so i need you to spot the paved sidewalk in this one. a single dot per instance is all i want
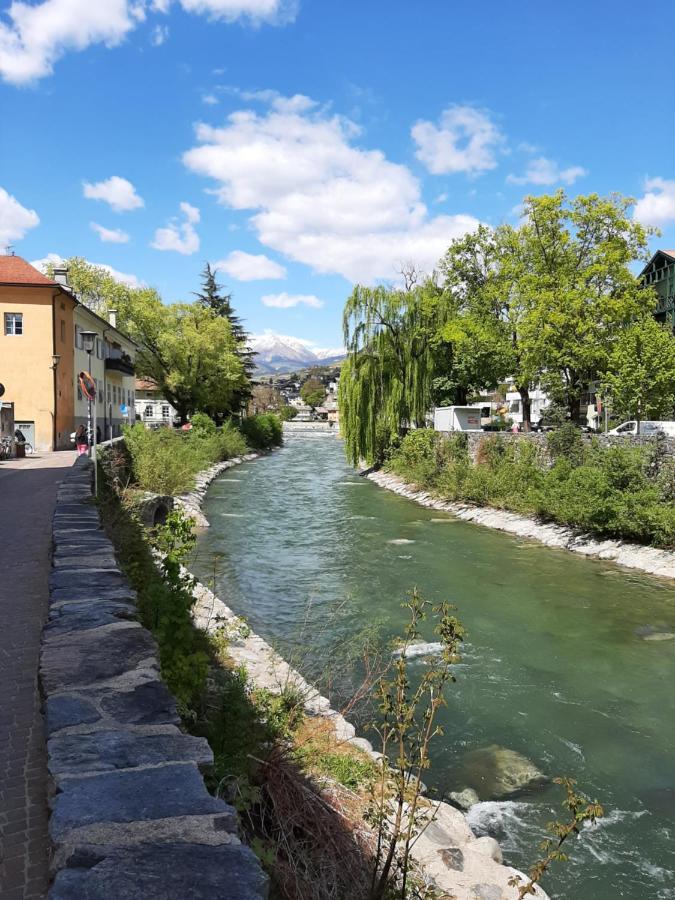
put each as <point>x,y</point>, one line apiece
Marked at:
<point>27,495</point>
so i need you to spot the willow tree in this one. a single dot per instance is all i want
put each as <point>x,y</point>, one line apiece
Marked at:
<point>385,383</point>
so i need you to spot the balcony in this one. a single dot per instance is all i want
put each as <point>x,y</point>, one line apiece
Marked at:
<point>117,361</point>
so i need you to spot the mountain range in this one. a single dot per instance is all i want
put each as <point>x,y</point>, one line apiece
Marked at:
<point>277,353</point>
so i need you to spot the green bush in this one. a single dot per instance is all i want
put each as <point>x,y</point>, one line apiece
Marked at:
<point>165,461</point>
<point>617,492</point>
<point>263,432</point>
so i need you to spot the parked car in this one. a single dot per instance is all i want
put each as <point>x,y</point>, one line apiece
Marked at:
<point>647,428</point>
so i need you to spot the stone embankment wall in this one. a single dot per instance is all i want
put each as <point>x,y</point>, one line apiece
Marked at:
<point>633,556</point>
<point>476,438</point>
<point>461,865</point>
<point>130,814</point>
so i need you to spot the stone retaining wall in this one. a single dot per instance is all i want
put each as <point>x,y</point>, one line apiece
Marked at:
<point>476,438</point>
<point>130,814</point>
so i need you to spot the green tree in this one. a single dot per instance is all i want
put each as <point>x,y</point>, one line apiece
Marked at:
<point>313,392</point>
<point>640,373</point>
<point>575,278</point>
<point>212,297</point>
<point>188,350</point>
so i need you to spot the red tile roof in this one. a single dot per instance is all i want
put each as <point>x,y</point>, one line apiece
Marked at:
<point>15,270</point>
<point>669,253</point>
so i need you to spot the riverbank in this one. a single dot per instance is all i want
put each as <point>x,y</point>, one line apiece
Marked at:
<point>446,850</point>
<point>632,556</point>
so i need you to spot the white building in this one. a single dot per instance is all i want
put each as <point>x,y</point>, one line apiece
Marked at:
<point>111,365</point>
<point>152,409</point>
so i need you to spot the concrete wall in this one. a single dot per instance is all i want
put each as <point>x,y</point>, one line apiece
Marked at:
<point>130,814</point>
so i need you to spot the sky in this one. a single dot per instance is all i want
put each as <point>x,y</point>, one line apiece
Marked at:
<point>303,146</point>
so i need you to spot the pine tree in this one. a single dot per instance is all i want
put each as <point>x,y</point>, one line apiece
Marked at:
<point>212,297</point>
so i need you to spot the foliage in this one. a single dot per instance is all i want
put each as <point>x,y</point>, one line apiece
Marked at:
<point>212,298</point>
<point>164,597</point>
<point>188,350</point>
<point>640,374</point>
<point>165,461</point>
<point>580,810</point>
<point>406,727</point>
<point>263,431</point>
<point>202,424</point>
<point>287,413</point>
<point>313,392</point>
<point>385,383</point>
<point>265,398</point>
<point>617,492</point>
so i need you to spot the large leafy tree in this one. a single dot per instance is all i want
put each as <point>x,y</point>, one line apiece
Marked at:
<point>188,350</point>
<point>640,373</point>
<point>313,392</point>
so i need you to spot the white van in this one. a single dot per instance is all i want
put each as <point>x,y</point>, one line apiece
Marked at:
<point>646,428</point>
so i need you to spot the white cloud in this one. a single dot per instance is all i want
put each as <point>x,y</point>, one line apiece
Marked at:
<point>56,259</point>
<point>545,171</point>
<point>15,219</point>
<point>39,34</point>
<point>159,36</point>
<point>117,192</point>
<point>287,301</point>
<point>318,198</point>
<point>256,11</point>
<point>110,235</point>
<point>657,207</point>
<point>36,35</point>
<point>466,140</point>
<point>210,99</point>
<point>180,237</point>
<point>250,266</point>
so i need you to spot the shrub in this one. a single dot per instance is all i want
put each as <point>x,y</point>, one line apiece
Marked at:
<point>262,432</point>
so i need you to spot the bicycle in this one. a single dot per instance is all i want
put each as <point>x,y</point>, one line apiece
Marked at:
<point>6,445</point>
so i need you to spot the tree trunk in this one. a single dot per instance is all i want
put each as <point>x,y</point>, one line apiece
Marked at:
<point>527,408</point>
<point>574,407</point>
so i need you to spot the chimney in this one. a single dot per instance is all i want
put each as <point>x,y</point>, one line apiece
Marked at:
<point>61,275</point>
<point>112,317</point>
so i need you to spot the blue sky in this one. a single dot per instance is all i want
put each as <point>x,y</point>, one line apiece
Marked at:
<point>307,146</point>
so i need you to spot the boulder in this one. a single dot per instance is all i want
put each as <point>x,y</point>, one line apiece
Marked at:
<point>496,772</point>
<point>465,798</point>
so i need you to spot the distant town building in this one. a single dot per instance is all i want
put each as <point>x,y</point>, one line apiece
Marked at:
<point>152,408</point>
<point>659,273</point>
<point>41,354</point>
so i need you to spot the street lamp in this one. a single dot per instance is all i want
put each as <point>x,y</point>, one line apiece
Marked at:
<point>88,344</point>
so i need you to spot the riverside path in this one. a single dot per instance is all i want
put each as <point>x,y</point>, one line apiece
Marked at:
<point>27,496</point>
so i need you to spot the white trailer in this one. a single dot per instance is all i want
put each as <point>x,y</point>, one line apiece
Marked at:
<point>457,418</point>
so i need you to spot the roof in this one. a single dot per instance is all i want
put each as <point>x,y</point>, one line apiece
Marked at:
<point>15,270</point>
<point>668,253</point>
<point>144,384</point>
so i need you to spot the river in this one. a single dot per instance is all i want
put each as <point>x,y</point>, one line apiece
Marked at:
<point>554,664</point>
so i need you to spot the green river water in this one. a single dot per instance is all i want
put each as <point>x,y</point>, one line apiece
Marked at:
<point>553,667</point>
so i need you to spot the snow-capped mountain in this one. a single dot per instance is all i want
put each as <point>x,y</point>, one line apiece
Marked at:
<point>281,353</point>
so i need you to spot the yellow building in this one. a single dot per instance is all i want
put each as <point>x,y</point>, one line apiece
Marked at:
<point>42,353</point>
<point>36,353</point>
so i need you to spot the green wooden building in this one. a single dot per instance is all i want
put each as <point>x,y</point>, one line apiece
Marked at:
<point>659,273</point>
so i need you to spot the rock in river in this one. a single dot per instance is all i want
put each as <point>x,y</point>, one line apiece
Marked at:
<point>496,772</point>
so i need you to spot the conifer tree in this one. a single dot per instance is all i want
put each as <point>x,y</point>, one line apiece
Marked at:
<point>212,297</point>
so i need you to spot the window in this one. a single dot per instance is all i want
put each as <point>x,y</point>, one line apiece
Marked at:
<point>165,411</point>
<point>148,411</point>
<point>63,331</point>
<point>14,323</point>
<point>79,343</point>
<point>99,348</point>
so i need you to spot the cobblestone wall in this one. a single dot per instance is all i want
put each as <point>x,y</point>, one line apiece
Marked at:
<point>130,814</point>
<point>476,438</point>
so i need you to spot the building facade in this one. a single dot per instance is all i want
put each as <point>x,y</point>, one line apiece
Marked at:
<point>152,409</point>
<point>659,273</point>
<point>42,353</point>
<point>36,353</point>
<point>111,365</point>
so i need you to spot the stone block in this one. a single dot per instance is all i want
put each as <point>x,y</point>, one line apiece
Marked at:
<point>105,751</point>
<point>82,616</point>
<point>174,789</point>
<point>96,655</point>
<point>148,703</point>
<point>66,710</point>
<point>167,872</point>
